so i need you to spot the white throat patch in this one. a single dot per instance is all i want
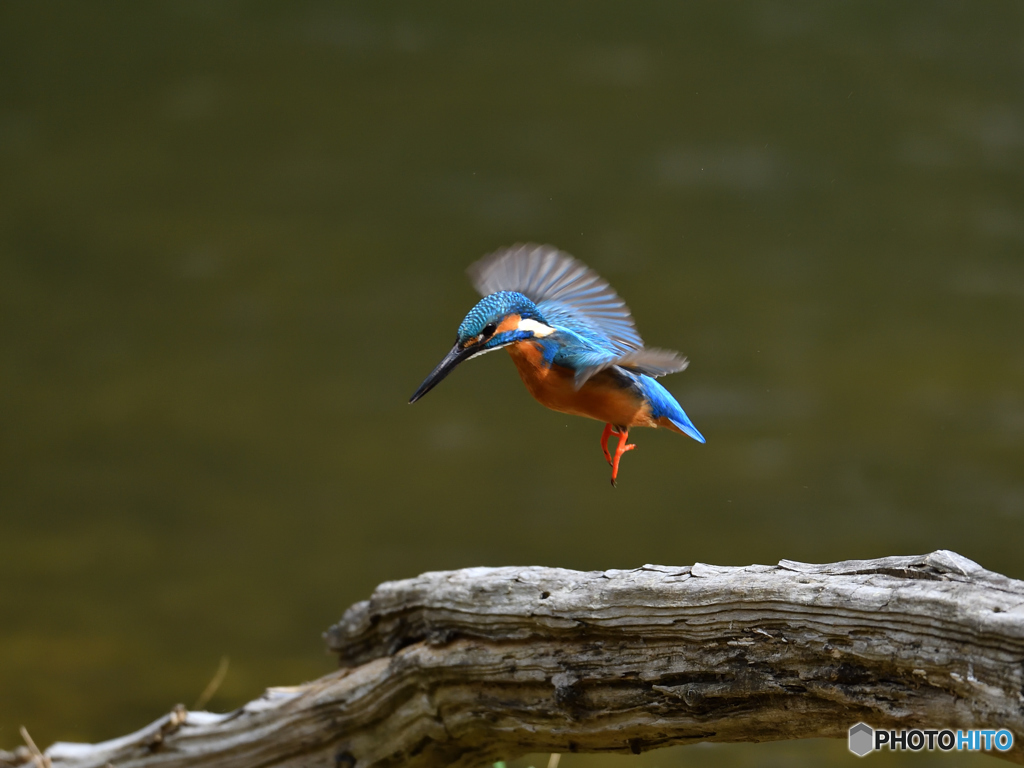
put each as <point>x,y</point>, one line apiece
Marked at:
<point>483,352</point>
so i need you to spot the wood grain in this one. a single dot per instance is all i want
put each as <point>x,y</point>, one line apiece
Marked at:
<point>466,667</point>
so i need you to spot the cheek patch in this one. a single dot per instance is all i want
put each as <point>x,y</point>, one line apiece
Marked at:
<point>510,323</point>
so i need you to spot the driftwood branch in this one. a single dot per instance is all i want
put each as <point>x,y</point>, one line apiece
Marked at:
<point>466,667</point>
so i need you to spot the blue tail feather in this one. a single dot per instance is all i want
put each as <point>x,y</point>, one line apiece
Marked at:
<point>663,404</point>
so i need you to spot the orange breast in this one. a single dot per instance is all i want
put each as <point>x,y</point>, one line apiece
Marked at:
<point>600,398</point>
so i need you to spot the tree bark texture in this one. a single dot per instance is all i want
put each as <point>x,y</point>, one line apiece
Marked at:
<point>466,667</point>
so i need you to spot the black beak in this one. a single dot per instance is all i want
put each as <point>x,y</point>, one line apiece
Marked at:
<point>446,366</point>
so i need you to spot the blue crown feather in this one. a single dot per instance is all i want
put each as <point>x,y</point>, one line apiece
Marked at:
<point>495,307</point>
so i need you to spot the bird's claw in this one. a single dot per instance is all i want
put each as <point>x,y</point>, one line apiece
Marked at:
<point>622,447</point>
<point>608,432</point>
<point>618,455</point>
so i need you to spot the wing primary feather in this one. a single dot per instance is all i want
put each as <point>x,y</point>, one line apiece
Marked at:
<point>651,362</point>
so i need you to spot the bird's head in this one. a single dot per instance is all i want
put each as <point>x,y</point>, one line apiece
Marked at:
<point>498,320</point>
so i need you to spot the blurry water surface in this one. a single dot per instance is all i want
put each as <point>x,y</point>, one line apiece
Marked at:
<point>232,243</point>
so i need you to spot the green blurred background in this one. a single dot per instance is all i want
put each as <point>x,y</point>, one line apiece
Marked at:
<point>232,243</point>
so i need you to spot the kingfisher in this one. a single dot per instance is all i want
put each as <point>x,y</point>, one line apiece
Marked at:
<point>573,341</point>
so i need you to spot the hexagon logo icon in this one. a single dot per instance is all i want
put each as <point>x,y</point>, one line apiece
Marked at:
<point>862,737</point>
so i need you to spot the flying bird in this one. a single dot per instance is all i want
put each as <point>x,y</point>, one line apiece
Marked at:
<point>573,341</point>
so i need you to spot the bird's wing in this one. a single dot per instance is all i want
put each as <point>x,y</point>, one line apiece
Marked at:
<point>651,362</point>
<point>586,358</point>
<point>564,289</point>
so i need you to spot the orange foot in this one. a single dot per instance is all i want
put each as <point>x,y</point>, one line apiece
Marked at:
<point>609,430</point>
<point>621,449</point>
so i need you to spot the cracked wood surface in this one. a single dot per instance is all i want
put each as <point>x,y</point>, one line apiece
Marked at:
<point>462,668</point>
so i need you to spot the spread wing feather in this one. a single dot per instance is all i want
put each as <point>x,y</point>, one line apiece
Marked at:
<point>562,288</point>
<point>651,362</point>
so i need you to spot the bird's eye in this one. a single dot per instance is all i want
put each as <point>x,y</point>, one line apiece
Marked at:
<point>489,329</point>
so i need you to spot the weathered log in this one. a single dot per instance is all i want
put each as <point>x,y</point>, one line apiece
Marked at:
<point>466,667</point>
